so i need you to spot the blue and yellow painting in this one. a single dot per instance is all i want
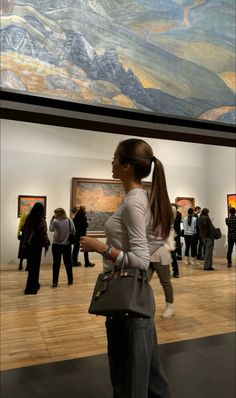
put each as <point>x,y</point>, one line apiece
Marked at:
<point>174,57</point>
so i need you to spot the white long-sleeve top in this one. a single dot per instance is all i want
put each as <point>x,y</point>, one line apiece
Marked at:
<point>190,229</point>
<point>62,228</point>
<point>129,230</point>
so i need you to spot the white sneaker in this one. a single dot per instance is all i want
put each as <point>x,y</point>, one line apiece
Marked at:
<point>169,311</point>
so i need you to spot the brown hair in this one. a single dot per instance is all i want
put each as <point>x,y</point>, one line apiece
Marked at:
<point>60,213</point>
<point>204,212</point>
<point>140,155</point>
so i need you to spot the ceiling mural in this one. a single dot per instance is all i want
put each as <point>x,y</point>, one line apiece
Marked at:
<point>174,57</point>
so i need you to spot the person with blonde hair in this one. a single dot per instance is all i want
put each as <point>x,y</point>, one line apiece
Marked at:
<point>137,229</point>
<point>61,226</point>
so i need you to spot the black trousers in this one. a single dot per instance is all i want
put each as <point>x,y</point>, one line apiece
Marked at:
<point>135,367</point>
<point>33,266</point>
<point>75,252</point>
<point>190,242</point>
<point>200,249</point>
<point>59,251</point>
<point>175,266</point>
<point>231,243</point>
<point>178,245</point>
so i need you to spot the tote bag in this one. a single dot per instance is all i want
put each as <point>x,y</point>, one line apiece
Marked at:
<point>123,291</point>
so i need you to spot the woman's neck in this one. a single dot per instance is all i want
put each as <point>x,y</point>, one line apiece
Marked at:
<point>129,185</point>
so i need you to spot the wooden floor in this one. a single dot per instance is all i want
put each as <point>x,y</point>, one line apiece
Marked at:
<point>54,324</point>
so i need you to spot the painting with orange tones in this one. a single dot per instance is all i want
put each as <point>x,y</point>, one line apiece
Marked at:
<point>184,203</point>
<point>27,201</point>
<point>101,198</point>
<point>231,201</point>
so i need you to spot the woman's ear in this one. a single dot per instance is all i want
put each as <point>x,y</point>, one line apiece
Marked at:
<point>126,166</point>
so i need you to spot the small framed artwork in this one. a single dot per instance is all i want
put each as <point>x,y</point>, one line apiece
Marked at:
<point>184,203</point>
<point>101,199</point>
<point>231,201</point>
<point>27,201</point>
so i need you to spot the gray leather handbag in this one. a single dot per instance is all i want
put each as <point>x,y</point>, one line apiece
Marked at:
<point>123,291</point>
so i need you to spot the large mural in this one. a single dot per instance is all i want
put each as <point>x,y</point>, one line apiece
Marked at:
<point>172,57</point>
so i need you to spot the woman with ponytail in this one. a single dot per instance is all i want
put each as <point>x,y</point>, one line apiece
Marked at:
<point>190,237</point>
<point>137,229</point>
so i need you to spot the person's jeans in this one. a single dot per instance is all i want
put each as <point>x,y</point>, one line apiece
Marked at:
<point>135,366</point>
<point>209,245</point>
<point>231,243</point>
<point>200,249</point>
<point>163,272</point>
<point>59,251</point>
<point>190,241</point>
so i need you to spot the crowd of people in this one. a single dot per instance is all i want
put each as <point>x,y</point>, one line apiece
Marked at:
<point>144,233</point>
<point>32,233</point>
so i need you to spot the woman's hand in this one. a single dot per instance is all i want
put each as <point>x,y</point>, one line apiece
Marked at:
<point>88,244</point>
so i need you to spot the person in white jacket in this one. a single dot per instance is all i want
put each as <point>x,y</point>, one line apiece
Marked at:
<point>160,262</point>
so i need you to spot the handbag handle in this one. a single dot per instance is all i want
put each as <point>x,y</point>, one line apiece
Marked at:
<point>123,272</point>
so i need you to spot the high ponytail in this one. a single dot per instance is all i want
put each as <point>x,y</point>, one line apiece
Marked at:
<point>140,155</point>
<point>160,202</point>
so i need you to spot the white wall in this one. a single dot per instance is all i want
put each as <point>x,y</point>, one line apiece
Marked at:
<point>41,160</point>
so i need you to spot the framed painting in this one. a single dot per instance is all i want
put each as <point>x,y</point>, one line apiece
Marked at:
<point>149,58</point>
<point>101,198</point>
<point>231,201</point>
<point>184,203</point>
<point>26,201</point>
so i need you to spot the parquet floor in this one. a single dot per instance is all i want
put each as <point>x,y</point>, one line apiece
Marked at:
<point>54,325</point>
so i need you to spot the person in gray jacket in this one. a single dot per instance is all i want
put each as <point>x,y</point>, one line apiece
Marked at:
<point>206,232</point>
<point>61,226</point>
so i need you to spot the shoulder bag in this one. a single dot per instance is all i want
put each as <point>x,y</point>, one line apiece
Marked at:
<point>72,236</point>
<point>123,291</point>
<point>217,233</point>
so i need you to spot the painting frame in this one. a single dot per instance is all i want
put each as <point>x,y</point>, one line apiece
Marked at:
<point>184,203</point>
<point>27,201</point>
<point>231,201</point>
<point>101,198</point>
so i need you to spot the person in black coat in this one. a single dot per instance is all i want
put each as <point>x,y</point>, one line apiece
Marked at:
<point>177,228</point>
<point>206,233</point>
<point>34,238</point>
<point>81,225</point>
<point>200,244</point>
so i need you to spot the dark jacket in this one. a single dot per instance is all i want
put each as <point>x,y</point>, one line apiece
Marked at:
<point>206,228</point>
<point>35,233</point>
<point>177,222</point>
<point>231,223</point>
<point>81,223</point>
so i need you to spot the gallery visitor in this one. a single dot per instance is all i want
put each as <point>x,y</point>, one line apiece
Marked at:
<point>22,255</point>
<point>206,232</point>
<point>138,226</point>
<point>231,234</point>
<point>62,227</point>
<point>34,238</point>
<point>190,237</point>
<point>81,225</point>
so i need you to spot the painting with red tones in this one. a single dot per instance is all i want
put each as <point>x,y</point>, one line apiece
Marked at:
<point>27,201</point>
<point>184,203</point>
<point>231,201</point>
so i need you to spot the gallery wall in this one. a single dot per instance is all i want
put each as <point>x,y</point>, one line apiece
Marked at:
<point>41,160</point>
